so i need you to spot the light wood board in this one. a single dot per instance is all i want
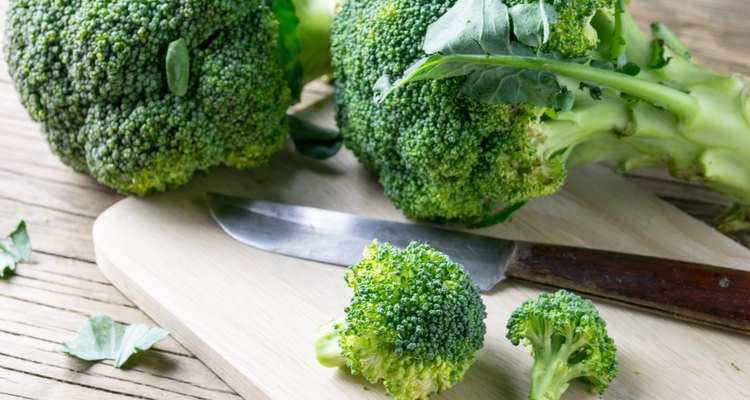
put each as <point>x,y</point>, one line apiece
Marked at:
<point>252,316</point>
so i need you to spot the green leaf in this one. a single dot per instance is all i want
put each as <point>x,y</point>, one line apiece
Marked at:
<point>629,68</point>
<point>513,86</point>
<point>21,241</point>
<point>565,99</point>
<point>100,337</point>
<point>7,264</point>
<point>658,54</point>
<point>178,67</point>
<point>483,27</point>
<point>660,31</point>
<point>470,27</point>
<point>594,90</point>
<point>503,215</point>
<point>531,22</point>
<point>18,251</point>
<point>312,140</point>
<point>290,45</point>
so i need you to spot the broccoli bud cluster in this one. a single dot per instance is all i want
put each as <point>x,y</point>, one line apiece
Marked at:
<point>93,73</point>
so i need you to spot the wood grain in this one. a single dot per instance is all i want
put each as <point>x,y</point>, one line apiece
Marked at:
<point>64,203</point>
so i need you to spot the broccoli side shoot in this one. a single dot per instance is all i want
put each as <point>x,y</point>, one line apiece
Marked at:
<point>568,340</point>
<point>416,322</point>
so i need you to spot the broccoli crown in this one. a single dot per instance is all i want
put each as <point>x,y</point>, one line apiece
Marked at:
<point>93,73</point>
<point>568,340</point>
<point>440,155</point>
<point>415,321</point>
<point>572,33</point>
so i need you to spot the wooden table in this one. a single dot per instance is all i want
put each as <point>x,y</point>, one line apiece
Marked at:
<point>45,302</point>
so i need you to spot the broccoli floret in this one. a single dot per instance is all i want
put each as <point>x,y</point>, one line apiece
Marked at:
<point>568,340</point>
<point>93,73</point>
<point>489,119</point>
<point>416,321</point>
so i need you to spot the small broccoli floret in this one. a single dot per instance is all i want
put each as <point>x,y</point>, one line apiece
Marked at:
<point>94,73</point>
<point>568,340</point>
<point>416,322</point>
<point>571,33</point>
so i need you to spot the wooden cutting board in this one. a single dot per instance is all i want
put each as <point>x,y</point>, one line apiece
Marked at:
<point>252,316</point>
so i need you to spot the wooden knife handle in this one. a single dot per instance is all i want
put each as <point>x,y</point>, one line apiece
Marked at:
<point>701,293</point>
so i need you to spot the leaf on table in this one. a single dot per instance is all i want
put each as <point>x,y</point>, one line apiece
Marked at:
<point>15,252</point>
<point>100,338</point>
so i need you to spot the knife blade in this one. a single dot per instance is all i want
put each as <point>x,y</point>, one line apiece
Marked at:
<point>706,294</point>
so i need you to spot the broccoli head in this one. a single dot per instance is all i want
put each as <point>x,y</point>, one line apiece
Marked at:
<point>568,340</point>
<point>416,321</point>
<point>94,73</point>
<point>468,109</point>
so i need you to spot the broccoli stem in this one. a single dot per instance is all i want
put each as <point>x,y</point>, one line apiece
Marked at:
<point>327,348</point>
<point>315,19</point>
<point>679,103</point>
<point>549,378</point>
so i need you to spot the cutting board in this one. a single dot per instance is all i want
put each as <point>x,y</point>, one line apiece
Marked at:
<point>252,316</point>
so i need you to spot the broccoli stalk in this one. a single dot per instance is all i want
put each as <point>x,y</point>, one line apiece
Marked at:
<point>700,132</point>
<point>486,110</point>
<point>327,347</point>
<point>568,339</point>
<point>416,322</point>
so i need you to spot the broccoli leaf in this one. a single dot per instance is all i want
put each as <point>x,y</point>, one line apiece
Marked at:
<point>513,85</point>
<point>290,46</point>
<point>470,27</point>
<point>100,337</point>
<point>531,22</point>
<point>21,241</point>
<point>7,263</point>
<point>483,27</point>
<point>312,140</point>
<point>178,67</point>
<point>18,251</point>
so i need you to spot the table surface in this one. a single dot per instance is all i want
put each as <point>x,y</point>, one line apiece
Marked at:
<point>44,302</point>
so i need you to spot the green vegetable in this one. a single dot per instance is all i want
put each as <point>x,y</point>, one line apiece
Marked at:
<point>178,67</point>
<point>481,104</point>
<point>568,340</point>
<point>15,252</point>
<point>100,337</point>
<point>140,95</point>
<point>416,321</point>
<point>312,140</point>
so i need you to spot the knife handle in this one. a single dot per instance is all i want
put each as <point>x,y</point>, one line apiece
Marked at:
<point>700,293</point>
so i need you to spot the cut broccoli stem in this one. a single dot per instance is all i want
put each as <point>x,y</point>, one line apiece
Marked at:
<point>327,347</point>
<point>547,383</point>
<point>679,103</point>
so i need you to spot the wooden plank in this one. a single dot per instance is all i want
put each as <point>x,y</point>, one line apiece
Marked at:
<point>30,385</point>
<point>150,366</point>
<point>51,323</point>
<point>52,231</point>
<point>75,200</point>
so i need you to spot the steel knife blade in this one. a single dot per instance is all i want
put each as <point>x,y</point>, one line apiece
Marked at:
<point>707,294</point>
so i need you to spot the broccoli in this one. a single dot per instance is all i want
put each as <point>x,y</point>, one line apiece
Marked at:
<point>468,109</point>
<point>141,94</point>
<point>416,321</point>
<point>568,340</point>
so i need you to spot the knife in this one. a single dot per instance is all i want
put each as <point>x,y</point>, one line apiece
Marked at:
<point>705,294</point>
